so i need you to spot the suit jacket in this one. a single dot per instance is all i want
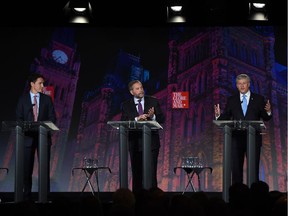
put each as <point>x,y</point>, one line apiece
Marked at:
<point>129,112</point>
<point>46,112</point>
<point>255,111</point>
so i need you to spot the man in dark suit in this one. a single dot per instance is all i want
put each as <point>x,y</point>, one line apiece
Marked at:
<point>257,109</point>
<point>42,104</point>
<point>132,112</point>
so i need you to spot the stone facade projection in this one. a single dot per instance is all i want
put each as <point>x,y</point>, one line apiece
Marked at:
<point>205,63</point>
<point>63,77</point>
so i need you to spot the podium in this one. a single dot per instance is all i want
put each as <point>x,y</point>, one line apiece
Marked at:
<point>42,128</point>
<point>128,126</point>
<point>250,127</point>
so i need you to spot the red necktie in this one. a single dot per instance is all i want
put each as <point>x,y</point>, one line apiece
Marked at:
<point>140,108</point>
<point>35,108</point>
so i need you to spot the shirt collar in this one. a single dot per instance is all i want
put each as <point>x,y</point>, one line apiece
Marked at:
<point>136,100</point>
<point>32,94</point>
<point>247,95</point>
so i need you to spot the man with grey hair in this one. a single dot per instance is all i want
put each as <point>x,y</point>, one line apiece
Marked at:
<point>246,106</point>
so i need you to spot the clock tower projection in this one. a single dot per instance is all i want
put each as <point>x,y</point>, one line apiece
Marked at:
<point>60,65</point>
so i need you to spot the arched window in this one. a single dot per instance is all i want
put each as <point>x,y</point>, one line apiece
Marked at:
<point>62,94</point>
<point>194,125</point>
<point>202,120</point>
<point>252,86</point>
<point>202,82</point>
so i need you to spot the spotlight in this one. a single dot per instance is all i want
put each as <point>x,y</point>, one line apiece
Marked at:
<point>79,6</point>
<point>175,12</point>
<point>78,11</point>
<point>257,10</point>
<point>176,8</point>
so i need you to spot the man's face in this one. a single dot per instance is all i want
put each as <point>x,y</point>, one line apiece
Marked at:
<point>37,86</point>
<point>243,85</point>
<point>137,90</point>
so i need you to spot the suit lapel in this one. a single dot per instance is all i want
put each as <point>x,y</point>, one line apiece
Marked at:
<point>133,106</point>
<point>29,105</point>
<point>250,104</point>
<point>40,107</point>
<point>239,106</point>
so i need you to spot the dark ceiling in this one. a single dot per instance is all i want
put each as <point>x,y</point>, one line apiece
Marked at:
<point>204,12</point>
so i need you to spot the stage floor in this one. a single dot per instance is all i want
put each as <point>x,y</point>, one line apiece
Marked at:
<point>105,197</point>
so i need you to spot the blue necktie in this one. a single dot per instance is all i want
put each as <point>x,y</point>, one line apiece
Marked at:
<point>244,104</point>
<point>140,108</point>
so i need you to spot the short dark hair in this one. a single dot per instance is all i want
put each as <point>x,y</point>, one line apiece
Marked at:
<point>131,83</point>
<point>34,76</point>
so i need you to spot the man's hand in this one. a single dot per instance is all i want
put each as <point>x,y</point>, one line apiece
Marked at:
<point>217,110</point>
<point>145,117</point>
<point>151,112</point>
<point>268,107</point>
<point>142,117</point>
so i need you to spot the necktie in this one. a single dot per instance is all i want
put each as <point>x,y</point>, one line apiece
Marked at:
<point>244,104</point>
<point>35,108</point>
<point>140,108</point>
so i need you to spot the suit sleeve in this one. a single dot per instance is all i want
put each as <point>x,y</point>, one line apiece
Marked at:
<point>20,110</point>
<point>227,114</point>
<point>126,112</point>
<point>160,117</point>
<point>51,111</point>
<point>263,114</point>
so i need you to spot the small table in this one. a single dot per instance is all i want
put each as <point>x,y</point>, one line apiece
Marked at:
<point>190,171</point>
<point>88,174</point>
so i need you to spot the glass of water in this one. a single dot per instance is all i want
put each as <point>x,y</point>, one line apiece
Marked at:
<point>88,162</point>
<point>192,162</point>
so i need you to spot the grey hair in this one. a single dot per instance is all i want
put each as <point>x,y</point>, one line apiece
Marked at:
<point>242,76</point>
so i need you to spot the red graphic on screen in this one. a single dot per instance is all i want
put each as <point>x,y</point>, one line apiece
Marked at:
<point>49,90</point>
<point>180,100</point>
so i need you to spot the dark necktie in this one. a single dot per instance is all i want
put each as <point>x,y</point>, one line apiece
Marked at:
<point>140,108</point>
<point>35,108</point>
<point>244,104</point>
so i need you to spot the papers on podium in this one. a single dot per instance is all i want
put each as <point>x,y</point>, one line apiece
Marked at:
<point>52,126</point>
<point>135,124</point>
